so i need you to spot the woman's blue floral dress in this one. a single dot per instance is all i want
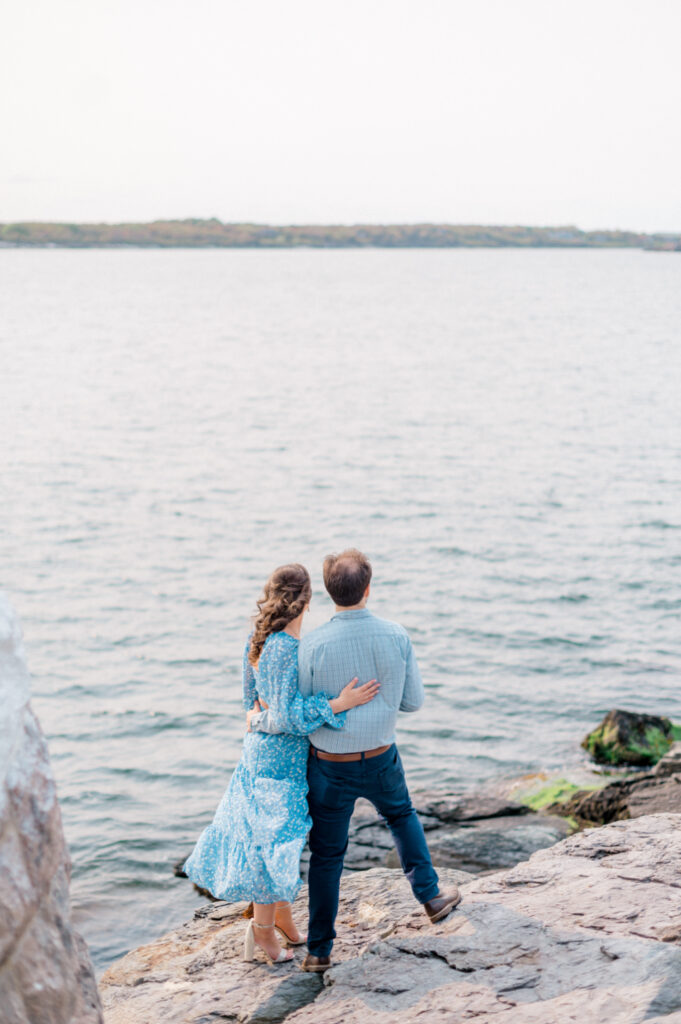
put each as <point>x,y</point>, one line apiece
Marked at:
<point>252,849</point>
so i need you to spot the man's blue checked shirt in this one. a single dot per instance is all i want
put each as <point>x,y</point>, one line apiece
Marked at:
<point>356,643</point>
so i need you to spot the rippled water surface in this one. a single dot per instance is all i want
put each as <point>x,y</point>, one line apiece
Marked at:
<point>499,430</point>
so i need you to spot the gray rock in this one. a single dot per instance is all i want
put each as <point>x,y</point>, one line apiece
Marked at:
<point>481,846</point>
<point>46,976</point>
<point>588,930</point>
<point>670,764</point>
<point>652,793</point>
<point>654,796</point>
<point>454,807</point>
<point>475,833</point>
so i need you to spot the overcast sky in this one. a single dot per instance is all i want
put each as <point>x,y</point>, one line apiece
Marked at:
<point>322,111</point>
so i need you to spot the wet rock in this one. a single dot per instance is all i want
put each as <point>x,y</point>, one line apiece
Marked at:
<point>46,976</point>
<point>587,930</point>
<point>470,833</point>
<point>481,846</point>
<point>624,737</point>
<point>453,807</point>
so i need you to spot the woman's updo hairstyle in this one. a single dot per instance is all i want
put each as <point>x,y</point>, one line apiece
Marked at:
<point>286,593</point>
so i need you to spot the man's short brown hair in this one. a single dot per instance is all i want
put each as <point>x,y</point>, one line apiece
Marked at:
<point>346,577</point>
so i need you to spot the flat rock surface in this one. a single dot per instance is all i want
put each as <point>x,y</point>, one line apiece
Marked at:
<point>588,930</point>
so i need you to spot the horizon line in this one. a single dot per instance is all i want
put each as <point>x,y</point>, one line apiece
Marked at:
<point>341,224</point>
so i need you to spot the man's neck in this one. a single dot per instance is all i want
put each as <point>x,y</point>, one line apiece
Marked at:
<point>351,607</point>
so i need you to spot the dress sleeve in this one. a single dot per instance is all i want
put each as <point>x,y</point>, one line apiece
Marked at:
<point>304,668</point>
<point>248,679</point>
<point>265,721</point>
<point>292,712</point>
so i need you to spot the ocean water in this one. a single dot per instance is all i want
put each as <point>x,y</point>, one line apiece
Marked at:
<point>499,430</point>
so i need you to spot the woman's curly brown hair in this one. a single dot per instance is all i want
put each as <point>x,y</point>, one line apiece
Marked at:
<point>286,593</point>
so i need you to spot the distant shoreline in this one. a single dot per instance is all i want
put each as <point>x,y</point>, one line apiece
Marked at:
<point>213,234</point>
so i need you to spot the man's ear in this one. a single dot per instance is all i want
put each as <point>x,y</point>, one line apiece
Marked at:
<point>367,592</point>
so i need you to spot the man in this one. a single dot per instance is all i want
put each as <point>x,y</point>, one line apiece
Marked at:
<point>360,760</point>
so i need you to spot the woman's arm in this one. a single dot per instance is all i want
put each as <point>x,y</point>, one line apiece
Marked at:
<point>290,712</point>
<point>288,709</point>
<point>250,694</point>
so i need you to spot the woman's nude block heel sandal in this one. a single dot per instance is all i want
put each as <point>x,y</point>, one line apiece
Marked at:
<point>249,946</point>
<point>287,938</point>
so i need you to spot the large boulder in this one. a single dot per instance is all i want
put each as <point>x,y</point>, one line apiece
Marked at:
<point>588,930</point>
<point>46,975</point>
<point>625,737</point>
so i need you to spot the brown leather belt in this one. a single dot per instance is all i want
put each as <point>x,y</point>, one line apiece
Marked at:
<point>361,755</point>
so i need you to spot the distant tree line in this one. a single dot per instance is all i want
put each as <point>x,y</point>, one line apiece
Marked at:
<point>213,233</point>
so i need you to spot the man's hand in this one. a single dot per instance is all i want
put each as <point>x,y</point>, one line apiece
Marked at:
<point>255,710</point>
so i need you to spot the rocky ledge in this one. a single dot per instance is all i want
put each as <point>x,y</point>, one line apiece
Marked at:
<point>655,792</point>
<point>588,930</point>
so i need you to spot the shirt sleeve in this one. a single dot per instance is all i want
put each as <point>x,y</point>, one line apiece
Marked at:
<point>248,679</point>
<point>412,696</point>
<point>288,709</point>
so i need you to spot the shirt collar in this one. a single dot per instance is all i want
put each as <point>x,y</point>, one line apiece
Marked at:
<point>352,613</point>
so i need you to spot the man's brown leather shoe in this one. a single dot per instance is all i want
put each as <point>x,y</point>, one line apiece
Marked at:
<point>316,964</point>
<point>441,906</point>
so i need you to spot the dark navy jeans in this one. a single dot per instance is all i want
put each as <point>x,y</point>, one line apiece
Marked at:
<point>334,787</point>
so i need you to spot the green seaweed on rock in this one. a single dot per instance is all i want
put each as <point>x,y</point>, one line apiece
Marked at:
<point>625,737</point>
<point>556,792</point>
<point>656,745</point>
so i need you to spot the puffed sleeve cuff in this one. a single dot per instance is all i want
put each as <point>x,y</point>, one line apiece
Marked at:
<point>323,708</point>
<point>264,722</point>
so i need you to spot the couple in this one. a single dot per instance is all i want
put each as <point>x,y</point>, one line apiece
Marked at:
<point>294,690</point>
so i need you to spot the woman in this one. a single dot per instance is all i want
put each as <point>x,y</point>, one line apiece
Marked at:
<point>252,849</point>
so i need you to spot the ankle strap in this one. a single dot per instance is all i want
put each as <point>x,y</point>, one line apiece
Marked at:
<point>262,925</point>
